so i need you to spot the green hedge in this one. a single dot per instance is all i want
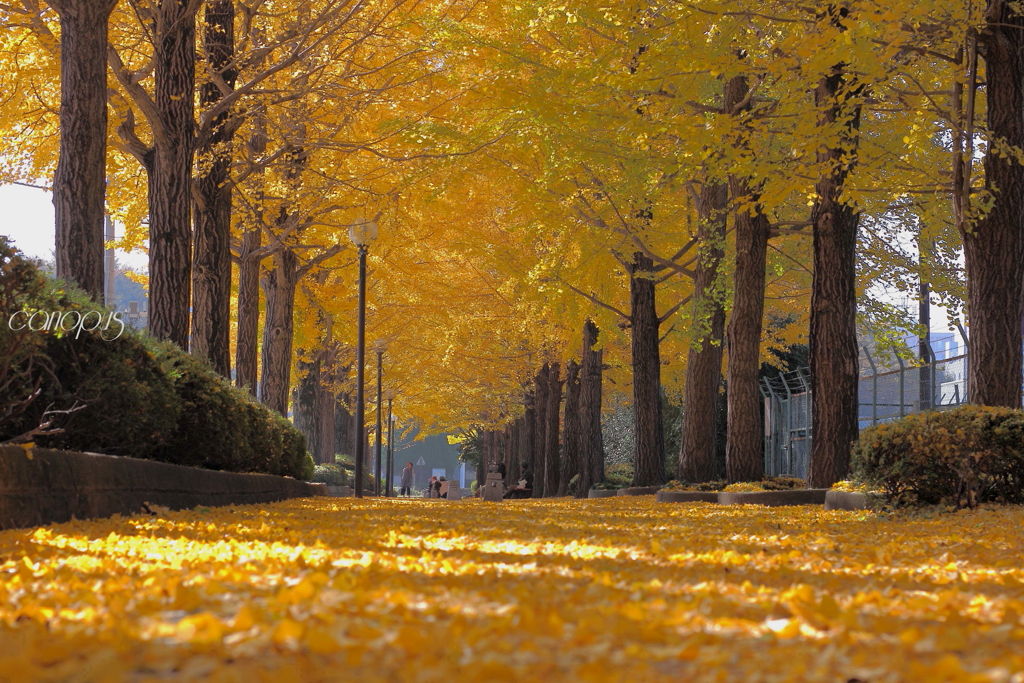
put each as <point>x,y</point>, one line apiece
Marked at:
<point>149,399</point>
<point>961,457</point>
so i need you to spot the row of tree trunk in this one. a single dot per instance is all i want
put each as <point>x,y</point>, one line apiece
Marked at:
<point>557,444</point>
<point>189,219</point>
<point>322,413</point>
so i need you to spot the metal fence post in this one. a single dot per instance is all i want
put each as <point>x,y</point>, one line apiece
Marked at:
<point>874,387</point>
<point>805,381</point>
<point>902,401</point>
<point>769,428</point>
<point>789,424</point>
<point>931,355</point>
<point>775,424</point>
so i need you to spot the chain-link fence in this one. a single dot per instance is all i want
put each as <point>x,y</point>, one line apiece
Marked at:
<point>889,388</point>
<point>787,423</point>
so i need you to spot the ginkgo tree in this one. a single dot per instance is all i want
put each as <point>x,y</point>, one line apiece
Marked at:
<point>691,184</point>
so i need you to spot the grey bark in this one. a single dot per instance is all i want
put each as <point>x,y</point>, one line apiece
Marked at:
<point>79,184</point>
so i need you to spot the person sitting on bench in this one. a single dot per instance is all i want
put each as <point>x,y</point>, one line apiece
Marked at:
<point>523,489</point>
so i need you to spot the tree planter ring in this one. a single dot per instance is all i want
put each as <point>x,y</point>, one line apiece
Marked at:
<point>846,500</point>
<point>687,496</point>
<point>639,491</point>
<point>774,498</point>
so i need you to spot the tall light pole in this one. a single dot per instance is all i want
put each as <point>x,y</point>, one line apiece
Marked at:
<point>361,234</point>
<point>390,476</point>
<point>379,346</point>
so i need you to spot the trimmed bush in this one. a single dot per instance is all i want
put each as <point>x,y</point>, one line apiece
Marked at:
<point>961,457</point>
<point>131,407</point>
<point>142,398</point>
<point>331,474</point>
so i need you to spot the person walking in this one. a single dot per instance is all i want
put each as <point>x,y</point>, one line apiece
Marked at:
<point>406,488</point>
<point>443,488</point>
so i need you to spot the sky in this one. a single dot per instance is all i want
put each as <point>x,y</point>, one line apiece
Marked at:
<point>26,216</point>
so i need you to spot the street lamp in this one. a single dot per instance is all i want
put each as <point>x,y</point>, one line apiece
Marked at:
<point>379,346</point>
<point>390,476</point>
<point>361,234</point>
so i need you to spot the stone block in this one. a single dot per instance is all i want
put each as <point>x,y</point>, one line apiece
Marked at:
<point>494,487</point>
<point>774,498</point>
<point>687,496</point>
<point>639,491</point>
<point>340,491</point>
<point>846,500</point>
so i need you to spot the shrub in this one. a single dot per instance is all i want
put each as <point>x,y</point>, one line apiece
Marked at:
<point>616,476</point>
<point>962,457</point>
<point>130,405</point>
<point>331,474</point>
<point>22,359</point>
<point>142,398</point>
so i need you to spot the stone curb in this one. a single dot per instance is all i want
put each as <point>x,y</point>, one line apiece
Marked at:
<point>846,500</point>
<point>773,498</point>
<point>687,497</point>
<point>55,486</point>
<point>639,491</point>
<point>339,491</point>
<point>602,493</point>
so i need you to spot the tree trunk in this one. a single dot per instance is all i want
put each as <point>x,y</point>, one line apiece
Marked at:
<point>994,249</point>
<point>704,359</point>
<point>211,265</point>
<point>511,446</point>
<point>552,462</point>
<point>833,329</point>
<point>79,185</point>
<point>522,449</point>
<point>326,403</point>
<point>279,290</point>
<point>170,173</point>
<point>571,430</point>
<point>305,404</point>
<point>343,421</point>
<point>481,475</point>
<point>488,451</point>
<point>246,343</point>
<point>529,431</point>
<point>591,439</point>
<point>540,430</point>
<point>744,459</point>
<point>649,453</point>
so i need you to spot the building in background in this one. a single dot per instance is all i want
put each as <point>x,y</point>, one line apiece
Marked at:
<point>432,455</point>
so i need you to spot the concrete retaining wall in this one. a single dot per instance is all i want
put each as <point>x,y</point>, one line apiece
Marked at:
<point>54,486</point>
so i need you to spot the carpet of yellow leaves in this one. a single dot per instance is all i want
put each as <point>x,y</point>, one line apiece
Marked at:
<point>616,589</point>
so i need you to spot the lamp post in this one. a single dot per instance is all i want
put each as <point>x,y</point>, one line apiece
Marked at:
<point>361,234</point>
<point>379,346</point>
<point>390,476</point>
